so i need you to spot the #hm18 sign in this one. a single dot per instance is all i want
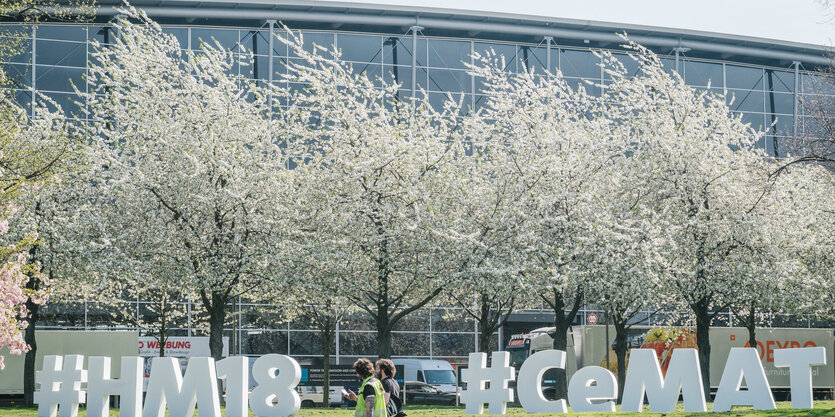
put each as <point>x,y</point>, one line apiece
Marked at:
<point>591,389</point>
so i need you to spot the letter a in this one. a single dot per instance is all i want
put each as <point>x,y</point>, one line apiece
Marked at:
<point>743,363</point>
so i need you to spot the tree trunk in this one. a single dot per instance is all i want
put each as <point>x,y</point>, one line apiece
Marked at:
<point>620,351</point>
<point>700,308</point>
<point>752,328</point>
<point>383,335</point>
<point>29,361</point>
<point>161,337</point>
<point>327,335</point>
<point>484,328</point>
<point>217,317</point>
<point>561,324</point>
<point>29,337</point>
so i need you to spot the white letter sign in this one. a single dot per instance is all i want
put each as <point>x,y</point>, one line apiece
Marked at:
<point>182,393</point>
<point>743,363</point>
<point>800,362</point>
<point>128,387</point>
<point>644,375</point>
<point>581,392</point>
<point>530,382</point>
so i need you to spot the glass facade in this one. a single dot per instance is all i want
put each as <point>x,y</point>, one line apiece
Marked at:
<point>54,58</point>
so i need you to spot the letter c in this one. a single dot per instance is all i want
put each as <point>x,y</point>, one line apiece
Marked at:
<point>529,382</point>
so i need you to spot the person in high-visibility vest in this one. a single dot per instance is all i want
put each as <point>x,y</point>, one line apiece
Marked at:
<point>371,401</point>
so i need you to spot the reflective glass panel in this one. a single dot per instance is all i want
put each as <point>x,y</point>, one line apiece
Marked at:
<point>743,77</point>
<point>20,50</point>
<point>498,50</point>
<point>449,80</point>
<point>58,78</point>
<point>398,74</point>
<point>746,100</point>
<point>18,75</point>
<point>324,40</point>
<point>360,48</point>
<point>61,53</point>
<point>630,65</point>
<point>398,50</point>
<point>228,38</point>
<point>62,32</point>
<point>782,81</point>
<point>779,103</point>
<point>448,54</point>
<point>180,33</point>
<point>579,64</point>
<point>756,120</point>
<point>535,58</point>
<point>700,73</point>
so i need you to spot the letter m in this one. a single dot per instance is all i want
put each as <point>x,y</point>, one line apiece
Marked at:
<point>182,392</point>
<point>644,376</point>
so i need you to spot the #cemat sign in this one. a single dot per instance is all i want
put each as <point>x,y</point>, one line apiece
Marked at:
<point>591,389</point>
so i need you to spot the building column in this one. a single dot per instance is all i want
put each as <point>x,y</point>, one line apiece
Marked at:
<point>415,28</point>
<point>548,41</point>
<point>795,107</point>
<point>270,55</point>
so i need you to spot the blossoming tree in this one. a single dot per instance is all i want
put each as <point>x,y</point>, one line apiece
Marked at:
<point>186,148</point>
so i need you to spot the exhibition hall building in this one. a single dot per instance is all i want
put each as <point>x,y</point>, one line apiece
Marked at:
<point>425,50</point>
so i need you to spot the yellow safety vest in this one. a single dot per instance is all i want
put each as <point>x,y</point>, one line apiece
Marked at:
<point>379,399</point>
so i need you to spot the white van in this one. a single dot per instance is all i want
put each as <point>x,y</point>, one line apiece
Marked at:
<point>433,372</point>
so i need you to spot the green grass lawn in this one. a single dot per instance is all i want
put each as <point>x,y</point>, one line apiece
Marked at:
<point>822,408</point>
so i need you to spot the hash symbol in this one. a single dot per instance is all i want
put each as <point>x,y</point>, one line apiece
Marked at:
<point>478,374</point>
<point>60,381</point>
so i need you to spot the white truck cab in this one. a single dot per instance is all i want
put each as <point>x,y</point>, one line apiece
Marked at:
<point>437,373</point>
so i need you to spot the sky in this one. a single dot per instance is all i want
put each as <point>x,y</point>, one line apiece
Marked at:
<point>804,21</point>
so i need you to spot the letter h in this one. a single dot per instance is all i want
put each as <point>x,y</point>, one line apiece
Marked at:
<point>100,387</point>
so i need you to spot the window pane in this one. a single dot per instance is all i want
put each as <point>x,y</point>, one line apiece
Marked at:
<point>448,54</point>
<point>324,40</point>
<point>745,100</point>
<point>358,344</point>
<point>779,81</point>
<point>68,103</point>
<point>61,53</point>
<point>744,77</point>
<point>20,50</point>
<point>779,103</point>
<point>18,75</point>
<point>398,74</point>
<point>258,42</point>
<point>700,73</point>
<point>360,48</point>
<point>372,71</point>
<point>263,342</point>
<point>398,51</point>
<point>449,80</point>
<point>58,78</point>
<point>628,63</point>
<point>452,344</point>
<point>180,33</point>
<point>756,120</point>
<point>531,57</point>
<point>500,50</point>
<point>62,32</point>
<point>782,124</point>
<point>410,344</point>
<point>228,38</point>
<point>579,64</point>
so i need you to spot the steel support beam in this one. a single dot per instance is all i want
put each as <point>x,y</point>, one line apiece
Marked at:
<point>458,24</point>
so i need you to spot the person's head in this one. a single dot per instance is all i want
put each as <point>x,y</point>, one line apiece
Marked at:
<point>363,368</point>
<point>385,367</point>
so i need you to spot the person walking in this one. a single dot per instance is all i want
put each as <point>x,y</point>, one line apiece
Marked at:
<point>386,372</point>
<point>371,400</point>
